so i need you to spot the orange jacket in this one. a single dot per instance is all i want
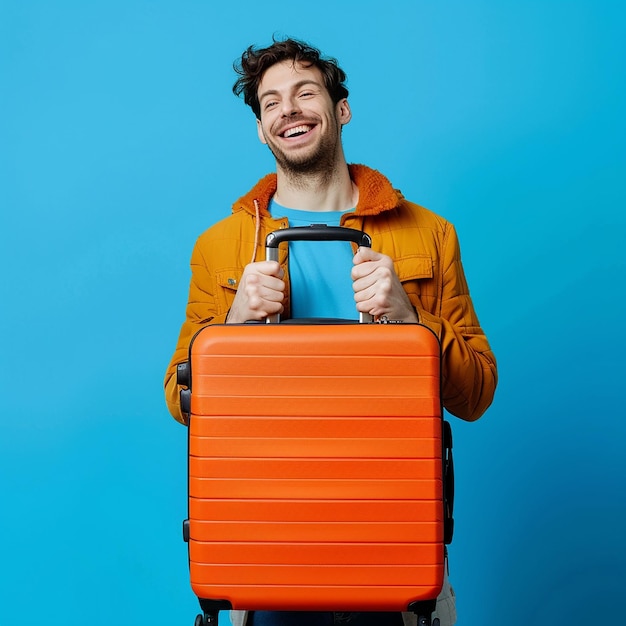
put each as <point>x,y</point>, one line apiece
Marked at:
<point>426,255</point>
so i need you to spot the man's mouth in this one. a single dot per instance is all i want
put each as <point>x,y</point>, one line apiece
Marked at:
<point>296,131</point>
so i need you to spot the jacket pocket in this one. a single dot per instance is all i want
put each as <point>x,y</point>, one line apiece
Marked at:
<point>414,267</point>
<point>416,275</point>
<point>227,281</point>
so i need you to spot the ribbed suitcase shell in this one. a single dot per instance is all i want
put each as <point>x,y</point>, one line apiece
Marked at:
<point>315,466</point>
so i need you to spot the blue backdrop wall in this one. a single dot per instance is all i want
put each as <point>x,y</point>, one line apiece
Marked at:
<point>120,141</point>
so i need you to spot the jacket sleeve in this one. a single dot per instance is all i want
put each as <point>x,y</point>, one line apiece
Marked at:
<point>202,310</point>
<point>469,374</point>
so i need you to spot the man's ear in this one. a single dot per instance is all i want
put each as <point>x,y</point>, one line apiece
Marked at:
<point>259,130</point>
<point>344,114</point>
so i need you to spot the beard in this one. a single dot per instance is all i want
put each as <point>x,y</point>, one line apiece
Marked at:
<point>313,160</point>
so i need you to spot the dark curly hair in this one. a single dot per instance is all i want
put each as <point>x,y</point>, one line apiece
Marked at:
<point>256,61</point>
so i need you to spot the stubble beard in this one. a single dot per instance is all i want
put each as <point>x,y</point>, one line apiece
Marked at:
<point>318,162</point>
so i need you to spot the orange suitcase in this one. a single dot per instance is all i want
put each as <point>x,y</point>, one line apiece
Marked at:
<point>317,465</point>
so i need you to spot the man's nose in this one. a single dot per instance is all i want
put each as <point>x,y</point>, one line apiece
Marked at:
<point>290,107</point>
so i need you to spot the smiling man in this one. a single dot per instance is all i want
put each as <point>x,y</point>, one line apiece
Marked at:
<point>300,122</point>
<point>412,272</point>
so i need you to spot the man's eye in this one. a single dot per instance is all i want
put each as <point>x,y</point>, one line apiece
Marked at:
<point>270,104</point>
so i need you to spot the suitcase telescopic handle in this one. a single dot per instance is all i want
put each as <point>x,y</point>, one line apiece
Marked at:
<point>314,232</point>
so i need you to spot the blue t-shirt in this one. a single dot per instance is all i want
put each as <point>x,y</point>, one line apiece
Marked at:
<point>319,271</point>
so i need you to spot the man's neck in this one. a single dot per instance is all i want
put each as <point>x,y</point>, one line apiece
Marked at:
<point>323,191</point>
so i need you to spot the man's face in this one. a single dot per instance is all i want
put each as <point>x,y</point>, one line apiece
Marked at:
<point>299,121</point>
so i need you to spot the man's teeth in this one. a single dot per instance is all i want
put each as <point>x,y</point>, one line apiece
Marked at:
<point>296,130</point>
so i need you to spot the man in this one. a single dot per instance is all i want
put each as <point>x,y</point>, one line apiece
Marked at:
<point>412,272</point>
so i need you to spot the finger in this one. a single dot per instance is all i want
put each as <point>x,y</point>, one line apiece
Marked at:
<point>376,287</point>
<point>368,272</point>
<point>264,286</point>
<point>260,310</point>
<point>261,301</point>
<point>363,277</point>
<point>272,293</point>
<point>270,268</point>
<point>362,267</point>
<point>375,290</point>
<point>366,254</point>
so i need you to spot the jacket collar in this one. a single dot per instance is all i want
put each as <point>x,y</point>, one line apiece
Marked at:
<point>376,193</point>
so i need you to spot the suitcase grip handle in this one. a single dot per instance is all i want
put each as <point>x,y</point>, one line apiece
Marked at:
<point>314,232</point>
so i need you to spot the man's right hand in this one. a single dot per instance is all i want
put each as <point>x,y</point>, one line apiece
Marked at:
<point>260,293</point>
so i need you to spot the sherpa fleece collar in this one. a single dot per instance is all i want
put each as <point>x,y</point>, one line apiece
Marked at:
<point>376,194</point>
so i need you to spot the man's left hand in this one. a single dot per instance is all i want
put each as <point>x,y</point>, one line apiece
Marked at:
<point>377,288</point>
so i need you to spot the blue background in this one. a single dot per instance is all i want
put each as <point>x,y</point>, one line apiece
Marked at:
<point>120,141</point>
